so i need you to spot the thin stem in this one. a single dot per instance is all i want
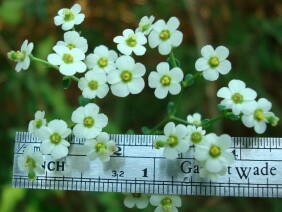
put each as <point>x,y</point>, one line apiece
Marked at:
<point>173,61</point>
<point>195,76</point>
<point>182,121</point>
<point>159,125</point>
<point>43,61</point>
<point>74,78</point>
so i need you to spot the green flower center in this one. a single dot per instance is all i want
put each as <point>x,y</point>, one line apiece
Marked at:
<point>164,35</point>
<point>30,163</point>
<point>88,121</point>
<point>55,138</point>
<point>70,46</point>
<point>258,115</point>
<point>172,141</point>
<point>214,62</point>
<point>126,76</point>
<point>144,27</point>
<point>131,40</point>
<point>166,204</point>
<point>165,80</point>
<point>67,58</point>
<point>196,137</point>
<point>237,98</point>
<point>100,147</point>
<point>38,123</point>
<point>214,151</point>
<point>93,85</point>
<point>136,195</point>
<point>103,62</point>
<point>68,15</point>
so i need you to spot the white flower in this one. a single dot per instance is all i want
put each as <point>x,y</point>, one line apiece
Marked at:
<point>69,60</point>
<point>204,173</point>
<point>140,200</point>
<point>69,17</point>
<point>213,62</point>
<point>89,122</point>
<point>131,42</point>
<point>213,152</point>
<point>101,147</point>
<point>195,119</point>
<point>31,162</point>
<point>166,203</point>
<point>103,59</point>
<point>145,25</point>
<point>258,116</point>
<point>195,135</point>
<point>53,138</point>
<point>72,39</point>
<point>173,140</point>
<point>237,97</point>
<point>127,78</point>
<point>22,57</point>
<point>165,35</point>
<point>165,80</point>
<point>37,123</point>
<point>94,84</point>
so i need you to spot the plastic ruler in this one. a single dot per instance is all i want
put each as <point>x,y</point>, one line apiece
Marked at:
<point>136,167</point>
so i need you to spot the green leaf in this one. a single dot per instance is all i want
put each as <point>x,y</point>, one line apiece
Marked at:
<point>170,107</point>
<point>66,82</point>
<point>232,117</point>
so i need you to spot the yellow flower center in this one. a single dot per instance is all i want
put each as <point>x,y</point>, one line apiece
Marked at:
<point>165,80</point>
<point>100,148</point>
<point>103,62</point>
<point>237,98</point>
<point>164,35</point>
<point>166,203</point>
<point>214,151</point>
<point>172,141</point>
<point>68,15</point>
<point>258,115</point>
<point>93,85</point>
<point>214,62</point>
<point>126,76</point>
<point>131,40</point>
<point>70,46</point>
<point>67,58</point>
<point>196,137</point>
<point>88,121</point>
<point>55,138</point>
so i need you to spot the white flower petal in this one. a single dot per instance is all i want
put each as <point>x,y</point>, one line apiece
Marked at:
<point>165,48</point>
<point>176,38</point>
<point>161,92</point>
<point>172,24</point>
<point>174,88</point>
<point>224,67</point>
<point>201,64</point>
<point>120,89</point>
<point>154,39</point>
<point>170,153</point>
<point>260,127</point>
<point>55,59</point>
<point>59,151</point>
<point>136,85</point>
<point>207,51</point>
<point>210,74</point>
<point>221,52</point>
<point>154,79</point>
<point>248,120</point>
<point>46,147</point>
<point>213,165</point>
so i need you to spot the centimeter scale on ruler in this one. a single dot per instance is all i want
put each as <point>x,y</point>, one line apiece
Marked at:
<point>136,167</point>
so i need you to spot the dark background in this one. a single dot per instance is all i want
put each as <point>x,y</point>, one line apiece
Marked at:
<point>252,30</point>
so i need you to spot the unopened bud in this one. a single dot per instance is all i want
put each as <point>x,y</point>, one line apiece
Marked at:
<point>158,144</point>
<point>273,120</point>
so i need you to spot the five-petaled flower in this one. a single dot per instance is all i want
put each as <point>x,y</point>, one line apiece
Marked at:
<point>31,162</point>
<point>213,153</point>
<point>165,80</point>
<point>259,115</point>
<point>69,60</point>
<point>165,35</point>
<point>237,97</point>
<point>165,203</point>
<point>69,17</point>
<point>53,137</point>
<point>21,57</point>
<point>131,42</point>
<point>213,62</point>
<point>145,25</point>
<point>173,140</point>
<point>127,78</point>
<point>72,39</point>
<point>103,59</point>
<point>89,122</point>
<point>101,147</point>
<point>94,84</point>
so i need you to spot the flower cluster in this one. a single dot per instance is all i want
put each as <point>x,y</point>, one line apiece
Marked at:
<point>164,203</point>
<point>210,150</point>
<point>118,71</point>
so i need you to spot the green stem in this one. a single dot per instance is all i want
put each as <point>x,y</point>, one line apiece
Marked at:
<point>182,121</point>
<point>172,58</point>
<point>74,78</point>
<point>32,58</point>
<point>159,125</point>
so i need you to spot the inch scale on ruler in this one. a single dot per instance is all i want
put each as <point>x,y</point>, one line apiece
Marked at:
<point>139,168</point>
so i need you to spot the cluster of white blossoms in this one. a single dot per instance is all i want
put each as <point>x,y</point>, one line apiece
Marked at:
<point>104,70</point>
<point>241,101</point>
<point>164,203</point>
<point>210,150</point>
